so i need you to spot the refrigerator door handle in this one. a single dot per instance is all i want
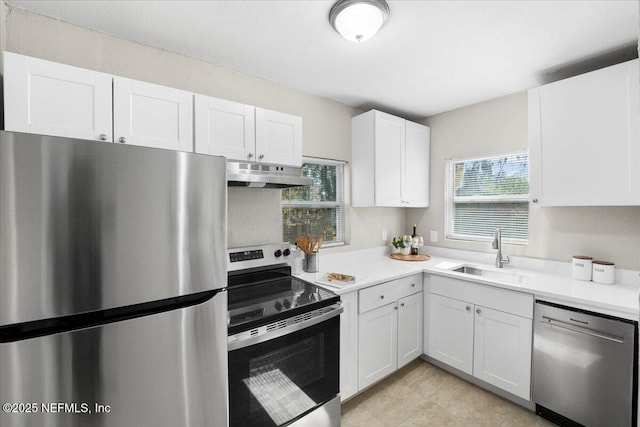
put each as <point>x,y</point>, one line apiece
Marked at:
<point>38,328</point>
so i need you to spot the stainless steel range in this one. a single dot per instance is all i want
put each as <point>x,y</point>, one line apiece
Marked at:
<point>284,343</point>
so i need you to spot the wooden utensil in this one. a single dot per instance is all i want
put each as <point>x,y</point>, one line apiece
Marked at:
<point>303,244</point>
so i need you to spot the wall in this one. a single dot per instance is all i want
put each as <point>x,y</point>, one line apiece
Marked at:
<point>499,126</point>
<point>253,216</point>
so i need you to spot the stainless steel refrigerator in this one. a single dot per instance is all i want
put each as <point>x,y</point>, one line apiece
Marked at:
<point>112,275</point>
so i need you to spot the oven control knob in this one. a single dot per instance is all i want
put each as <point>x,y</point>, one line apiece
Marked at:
<point>287,304</point>
<point>286,252</point>
<point>278,253</point>
<point>278,306</point>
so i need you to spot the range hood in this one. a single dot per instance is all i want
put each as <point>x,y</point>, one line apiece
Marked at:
<point>262,175</point>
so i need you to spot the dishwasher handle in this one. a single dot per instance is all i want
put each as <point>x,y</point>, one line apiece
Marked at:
<point>566,325</point>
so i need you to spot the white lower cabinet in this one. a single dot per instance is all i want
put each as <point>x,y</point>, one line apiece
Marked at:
<point>389,328</point>
<point>451,332</point>
<point>502,350</point>
<point>378,344</point>
<point>349,345</point>
<point>410,326</point>
<point>482,331</point>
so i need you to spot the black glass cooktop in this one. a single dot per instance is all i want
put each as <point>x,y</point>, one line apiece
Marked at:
<point>260,297</point>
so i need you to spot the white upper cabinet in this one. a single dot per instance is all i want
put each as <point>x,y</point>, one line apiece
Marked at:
<point>224,128</point>
<point>390,161</point>
<point>584,139</point>
<point>151,115</point>
<point>243,132</point>
<point>55,99</point>
<point>415,185</point>
<point>278,138</point>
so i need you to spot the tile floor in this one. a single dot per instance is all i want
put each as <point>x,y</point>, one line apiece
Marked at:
<point>421,394</point>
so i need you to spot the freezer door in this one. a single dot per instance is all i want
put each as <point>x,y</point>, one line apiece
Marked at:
<point>167,369</point>
<point>88,226</point>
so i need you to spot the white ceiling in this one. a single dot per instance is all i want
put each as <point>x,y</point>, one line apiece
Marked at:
<point>430,57</point>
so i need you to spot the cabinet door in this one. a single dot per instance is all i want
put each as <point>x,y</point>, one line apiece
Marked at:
<point>224,128</point>
<point>278,138</point>
<point>55,99</point>
<point>409,328</point>
<point>349,345</point>
<point>152,116</point>
<point>389,154</point>
<point>451,332</point>
<point>584,139</point>
<point>503,350</point>
<point>415,176</point>
<point>377,344</point>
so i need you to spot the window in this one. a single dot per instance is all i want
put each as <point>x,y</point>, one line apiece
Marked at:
<point>318,209</point>
<point>485,193</point>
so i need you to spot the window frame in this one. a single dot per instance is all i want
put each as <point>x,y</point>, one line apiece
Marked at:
<point>450,199</point>
<point>339,204</point>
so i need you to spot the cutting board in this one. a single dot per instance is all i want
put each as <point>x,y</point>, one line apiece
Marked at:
<point>420,257</point>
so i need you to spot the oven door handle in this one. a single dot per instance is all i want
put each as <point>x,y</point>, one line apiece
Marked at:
<point>236,344</point>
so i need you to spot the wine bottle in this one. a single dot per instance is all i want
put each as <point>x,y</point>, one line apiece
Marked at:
<point>414,241</point>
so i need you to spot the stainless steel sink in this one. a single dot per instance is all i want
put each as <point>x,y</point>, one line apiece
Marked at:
<point>503,276</point>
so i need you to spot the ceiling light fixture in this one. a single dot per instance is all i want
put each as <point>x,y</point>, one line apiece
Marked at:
<point>358,20</point>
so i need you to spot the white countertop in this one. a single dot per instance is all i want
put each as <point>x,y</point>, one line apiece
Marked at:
<point>547,280</point>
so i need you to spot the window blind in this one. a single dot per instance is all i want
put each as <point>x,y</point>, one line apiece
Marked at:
<point>486,193</point>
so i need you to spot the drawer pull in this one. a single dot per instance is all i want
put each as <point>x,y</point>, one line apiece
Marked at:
<point>478,311</point>
<point>413,285</point>
<point>381,296</point>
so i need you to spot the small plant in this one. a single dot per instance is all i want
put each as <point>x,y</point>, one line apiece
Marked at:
<point>398,243</point>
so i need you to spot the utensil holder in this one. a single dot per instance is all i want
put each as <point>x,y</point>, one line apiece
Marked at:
<point>311,263</point>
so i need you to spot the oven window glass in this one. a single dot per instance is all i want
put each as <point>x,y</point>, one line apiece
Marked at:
<point>278,381</point>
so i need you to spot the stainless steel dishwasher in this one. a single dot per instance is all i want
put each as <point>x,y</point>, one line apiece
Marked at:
<point>584,367</point>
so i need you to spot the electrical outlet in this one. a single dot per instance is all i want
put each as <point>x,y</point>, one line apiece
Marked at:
<point>384,235</point>
<point>434,236</point>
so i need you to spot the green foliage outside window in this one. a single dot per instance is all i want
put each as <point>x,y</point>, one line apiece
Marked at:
<point>317,209</point>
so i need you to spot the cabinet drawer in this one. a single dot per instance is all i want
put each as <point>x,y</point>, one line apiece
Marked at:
<point>408,285</point>
<point>388,292</point>
<point>518,303</point>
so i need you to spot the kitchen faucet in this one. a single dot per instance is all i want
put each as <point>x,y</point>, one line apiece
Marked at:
<point>497,244</point>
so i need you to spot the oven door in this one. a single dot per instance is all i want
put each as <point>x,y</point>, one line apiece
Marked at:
<point>286,374</point>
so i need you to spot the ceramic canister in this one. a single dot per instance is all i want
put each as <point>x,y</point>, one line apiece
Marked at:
<point>603,272</point>
<point>581,267</point>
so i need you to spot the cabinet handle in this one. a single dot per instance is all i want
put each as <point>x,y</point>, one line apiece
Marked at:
<point>103,137</point>
<point>413,285</point>
<point>478,311</point>
<point>250,155</point>
<point>534,200</point>
<point>468,308</point>
<point>395,307</point>
<point>381,296</point>
<point>122,140</point>
<point>261,156</point>
<point>402,304</point>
